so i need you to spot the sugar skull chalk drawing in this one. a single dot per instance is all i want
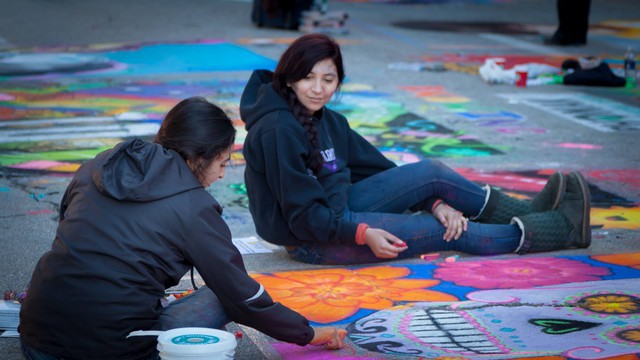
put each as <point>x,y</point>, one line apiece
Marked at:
<point>588,320</point>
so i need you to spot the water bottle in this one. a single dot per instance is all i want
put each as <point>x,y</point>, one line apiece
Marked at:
<point>630,72</point>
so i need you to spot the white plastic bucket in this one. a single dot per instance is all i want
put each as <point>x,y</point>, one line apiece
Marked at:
<point>193,343</point>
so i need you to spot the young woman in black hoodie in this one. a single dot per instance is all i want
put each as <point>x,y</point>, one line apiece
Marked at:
<point>320,189</point>
<point>133,221</point>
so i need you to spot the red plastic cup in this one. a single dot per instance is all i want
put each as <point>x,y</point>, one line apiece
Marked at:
<point>521,78</point>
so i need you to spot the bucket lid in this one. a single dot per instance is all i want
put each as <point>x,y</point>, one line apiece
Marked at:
<point>195,340</point>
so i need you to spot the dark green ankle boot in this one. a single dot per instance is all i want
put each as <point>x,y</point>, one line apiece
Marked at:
<point>501,208</point>
<point>567,227</point>
<point>577,208</point>
<point>550,197</point>
<point>543,231</point>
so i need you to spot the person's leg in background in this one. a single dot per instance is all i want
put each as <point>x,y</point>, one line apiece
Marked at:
<point>582,21</point>
<point>573,23</point>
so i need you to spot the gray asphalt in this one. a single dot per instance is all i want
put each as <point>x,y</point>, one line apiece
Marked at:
<point>29,201</point>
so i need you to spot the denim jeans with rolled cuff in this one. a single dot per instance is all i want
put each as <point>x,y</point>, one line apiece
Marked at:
<point>382,201</point>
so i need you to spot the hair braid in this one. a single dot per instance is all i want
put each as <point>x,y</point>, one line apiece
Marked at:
<point>315,160</point>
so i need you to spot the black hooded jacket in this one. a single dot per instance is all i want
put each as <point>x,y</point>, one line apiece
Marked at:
<point>133,221</point>
<point>290,204</point>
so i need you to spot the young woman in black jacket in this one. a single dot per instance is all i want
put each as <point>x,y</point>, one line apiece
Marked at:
<point>320,189</point>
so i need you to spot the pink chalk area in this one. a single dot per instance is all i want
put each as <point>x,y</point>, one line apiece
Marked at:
<point>38,165</point>
<point>579,146</point>
<point>310,352</point>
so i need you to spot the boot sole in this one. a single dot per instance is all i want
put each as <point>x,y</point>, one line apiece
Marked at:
<point>562,186</point>
<point>586,211</point>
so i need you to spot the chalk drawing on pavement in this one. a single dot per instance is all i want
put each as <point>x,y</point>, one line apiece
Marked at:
<point>590,111</point>
<point>620,33</point>
<point>588,320</point>
<point>123,126</point>
<point>502,121</point>
<point>131,60</point>
<point>54,127</point>
<point>499,27</point>
<point>403,136</point>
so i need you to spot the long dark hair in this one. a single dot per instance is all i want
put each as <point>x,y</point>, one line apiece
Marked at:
<point>197,130</point>
<point>296,63</point>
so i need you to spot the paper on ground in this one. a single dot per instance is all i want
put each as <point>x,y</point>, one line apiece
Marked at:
<point>9,315</point>
<point>252,245</point>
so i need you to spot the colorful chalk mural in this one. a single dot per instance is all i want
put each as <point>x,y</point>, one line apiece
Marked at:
<point>402,136</point>
<point>594,112</point>
<point>52,121</point>
<point>503,121</point>
<point>54,127</point>
<point>622,33</point>
<point>49,126</point>
<point>569,307</point>
<point>116,60</point>
<point>588,320</point>
<point>58,109</point>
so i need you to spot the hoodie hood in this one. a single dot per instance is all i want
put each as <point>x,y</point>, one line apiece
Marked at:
<point>259,98</point>
<point>139,171</point>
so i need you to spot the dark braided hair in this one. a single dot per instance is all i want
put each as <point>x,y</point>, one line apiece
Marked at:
<point>295,64</point>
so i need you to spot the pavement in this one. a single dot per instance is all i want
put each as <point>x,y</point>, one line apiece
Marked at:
<point>590,129</point>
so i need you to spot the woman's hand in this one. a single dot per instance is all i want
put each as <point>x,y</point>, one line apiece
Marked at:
<point>452,220</point>
<point>329,337</point>
<point>383,244</point>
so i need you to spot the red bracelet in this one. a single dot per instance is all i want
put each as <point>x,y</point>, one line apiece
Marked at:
<point>435,204</point>
<point>362,228</point>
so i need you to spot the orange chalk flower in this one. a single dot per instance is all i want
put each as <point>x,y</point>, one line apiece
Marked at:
<point>329,295</point>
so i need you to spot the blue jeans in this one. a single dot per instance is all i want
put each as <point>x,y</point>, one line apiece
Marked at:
<point>200,309</point>
<point>381,201</point>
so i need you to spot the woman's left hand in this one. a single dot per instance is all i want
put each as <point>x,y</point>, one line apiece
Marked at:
<point>453,220</point>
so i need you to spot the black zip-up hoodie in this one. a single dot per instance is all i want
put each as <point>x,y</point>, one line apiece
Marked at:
<point>133,221</point>
<point>290,204</point>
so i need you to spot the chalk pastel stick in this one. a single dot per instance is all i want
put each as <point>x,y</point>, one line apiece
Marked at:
<point>430,256</point>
